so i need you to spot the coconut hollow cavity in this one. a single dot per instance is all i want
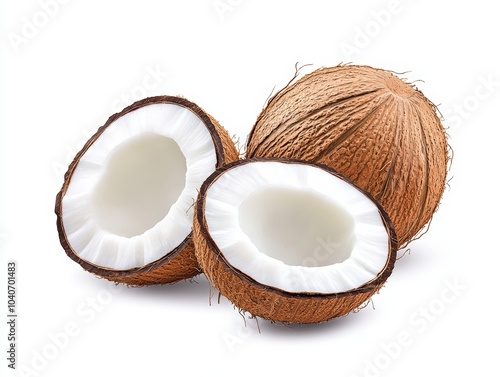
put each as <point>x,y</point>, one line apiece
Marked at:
<point>126,206</point>
<point>291,241</point>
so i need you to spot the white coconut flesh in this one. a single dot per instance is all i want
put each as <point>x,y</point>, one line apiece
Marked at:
<point>130,198</point>
<point>296,227</point>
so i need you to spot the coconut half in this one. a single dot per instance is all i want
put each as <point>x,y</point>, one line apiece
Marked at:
<point>291,241</point>
<point>125,209</point>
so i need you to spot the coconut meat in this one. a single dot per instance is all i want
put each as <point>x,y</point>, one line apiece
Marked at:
<point>130,198</point>
<point>296,227</point>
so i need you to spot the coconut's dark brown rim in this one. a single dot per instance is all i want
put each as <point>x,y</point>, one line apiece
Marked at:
<point>103,271</point>
<point>367,287</point>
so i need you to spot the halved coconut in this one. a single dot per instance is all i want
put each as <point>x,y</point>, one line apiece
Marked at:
<point>125,209</point>
<point>291,241</point>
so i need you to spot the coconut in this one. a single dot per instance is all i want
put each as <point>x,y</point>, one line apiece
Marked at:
<point>291,241</point>
<point>369,125</point>
<point>125,209</point>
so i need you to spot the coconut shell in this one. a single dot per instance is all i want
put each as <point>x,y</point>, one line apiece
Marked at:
<point>269,302</point>
<point>177,264</point>
<point>370,126</point>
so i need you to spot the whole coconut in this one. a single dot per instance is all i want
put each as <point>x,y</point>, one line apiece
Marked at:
<point>370,126</point>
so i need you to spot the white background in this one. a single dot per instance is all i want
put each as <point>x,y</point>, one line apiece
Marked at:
<point>67,66</point>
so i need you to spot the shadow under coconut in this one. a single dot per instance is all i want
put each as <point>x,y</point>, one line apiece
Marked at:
<point>199,290</point>
<point>257,325</point>
<point>293,329</point>
<point>417,256</point>
<point>191,290</point>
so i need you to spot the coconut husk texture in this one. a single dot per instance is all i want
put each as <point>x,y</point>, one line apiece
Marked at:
<point>177,264</point>
<point>268,302</point>
<point>369,125</point>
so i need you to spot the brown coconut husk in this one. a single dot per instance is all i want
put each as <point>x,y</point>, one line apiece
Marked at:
<point>370,126</point>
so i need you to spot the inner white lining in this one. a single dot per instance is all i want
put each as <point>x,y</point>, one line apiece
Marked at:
<point>138,241</point>
<point>240,235</point>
